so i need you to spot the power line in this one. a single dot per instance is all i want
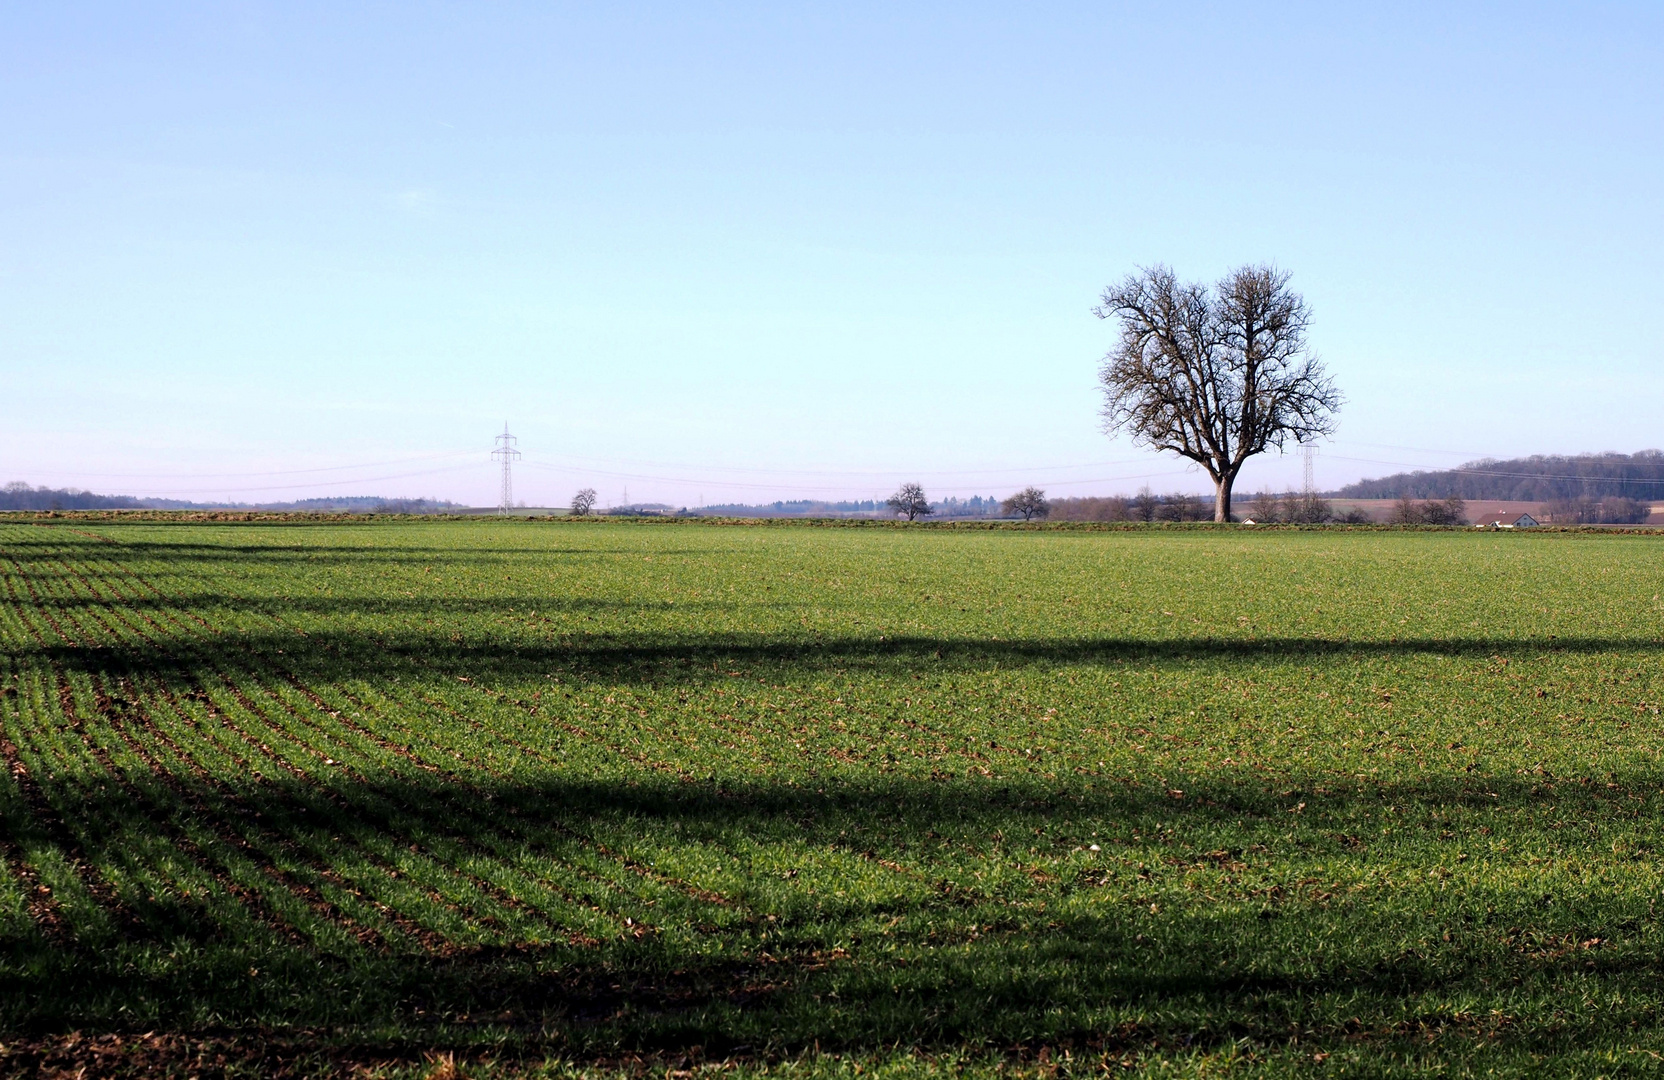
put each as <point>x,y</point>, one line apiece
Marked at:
<point>280,472</point>
<point>589,462</point>
<point>308,484</point>
<point>775,486</point>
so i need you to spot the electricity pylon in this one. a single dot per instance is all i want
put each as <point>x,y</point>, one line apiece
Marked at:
<point>507,454</point>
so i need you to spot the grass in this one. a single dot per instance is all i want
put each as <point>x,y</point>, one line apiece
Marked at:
<point>474,798</point>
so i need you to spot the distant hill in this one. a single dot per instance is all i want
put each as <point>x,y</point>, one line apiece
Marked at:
<point>1540,478</point>
<point>20,496</point>
<point>366,504</point>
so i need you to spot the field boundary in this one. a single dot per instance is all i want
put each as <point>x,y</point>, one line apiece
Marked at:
<point>284,517</point>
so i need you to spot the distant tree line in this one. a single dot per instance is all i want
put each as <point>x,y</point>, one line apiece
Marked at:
<point>1541,478</point>
<point>977,506</point>
<point>20,496</point>
<point>1143,506</point>
<point>408,506</point>
<point>1303,508</point>
<point>1612,510</point>
<point>1450,510</point>
<point>974,507</point>
<point>794,508</point>
<point>362,504</point>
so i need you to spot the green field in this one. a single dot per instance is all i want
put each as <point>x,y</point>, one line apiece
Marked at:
<point>300,797</point>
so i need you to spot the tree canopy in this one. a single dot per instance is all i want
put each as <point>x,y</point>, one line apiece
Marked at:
<point>1214,374</point>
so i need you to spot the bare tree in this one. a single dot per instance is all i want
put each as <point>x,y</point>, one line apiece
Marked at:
<point>1406,511</point>
<point>1308,509</point>
<point>1612,510</point>
<point>1144,505</point>
<point>1029,502</point>
<point>1449,511</point>
<point>909,499</point>
<point>1452,510</point>
<point>584,501</point>
<point>1089,508</point>
<point>1214,375</point>
<point>1180,506</point>
<point>1266,508</point>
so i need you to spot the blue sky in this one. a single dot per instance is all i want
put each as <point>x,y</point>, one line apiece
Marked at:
<point>749,252</point>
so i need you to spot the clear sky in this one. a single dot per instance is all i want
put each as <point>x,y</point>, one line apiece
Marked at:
<point>272,250</point>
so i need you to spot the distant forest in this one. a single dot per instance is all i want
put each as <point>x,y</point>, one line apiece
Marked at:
<point>20,496</point>
<point>367,504</point>
<point>1541,478</point>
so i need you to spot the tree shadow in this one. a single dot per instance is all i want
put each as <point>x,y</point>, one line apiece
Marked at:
<point>625,657</point>
<point>184,552</point>
<point>334,606</point>
<point>935,947</point>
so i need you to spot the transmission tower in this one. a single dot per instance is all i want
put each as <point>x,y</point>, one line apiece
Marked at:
<point>507,454</point>
<point>1310,490</point>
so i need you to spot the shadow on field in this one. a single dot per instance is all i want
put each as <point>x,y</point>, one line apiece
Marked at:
<point>855,915</point>
<point>625,658</point>
<point>368,555</point>
<point>506,606</point>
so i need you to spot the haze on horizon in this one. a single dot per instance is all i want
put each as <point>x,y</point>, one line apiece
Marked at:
<point>277,251</point>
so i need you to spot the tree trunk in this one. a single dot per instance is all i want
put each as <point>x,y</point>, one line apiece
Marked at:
<point>1222,498</point>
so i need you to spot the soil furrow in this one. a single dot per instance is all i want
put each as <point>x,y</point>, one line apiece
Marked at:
<point>308,895</point>
<point>545,821</point>
<point>366,935</point>
<point>50,823</point>
<point>256,904</point>
<point>38,900</point>
<point>464,840</point>
<point>636,867</point>
<point>53,828</point>
<point>429,940</point>
<point>496,894</point>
